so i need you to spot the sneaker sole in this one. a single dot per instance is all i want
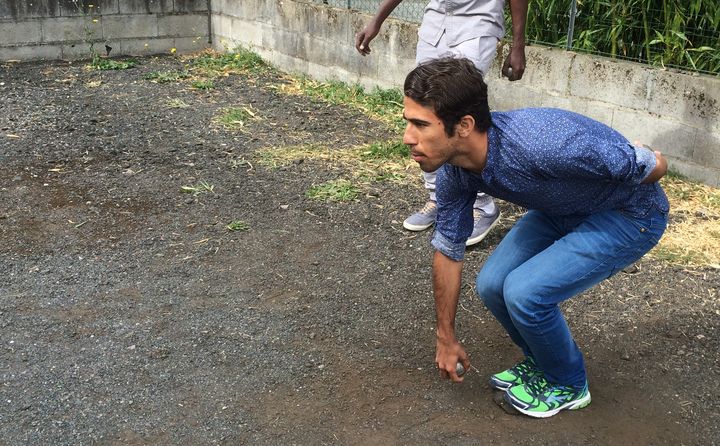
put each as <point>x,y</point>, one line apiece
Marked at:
<point>478,238</point>
<point>572,405</point>
<point>416,228</point>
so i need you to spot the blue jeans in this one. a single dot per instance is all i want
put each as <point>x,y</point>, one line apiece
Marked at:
<point>545,260</point>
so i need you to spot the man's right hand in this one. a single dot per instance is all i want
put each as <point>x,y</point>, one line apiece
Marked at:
<point>447,355</point>
<point>365,36</point>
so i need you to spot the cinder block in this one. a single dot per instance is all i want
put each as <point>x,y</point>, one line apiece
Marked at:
<point>129,26</point>
<point>689,98</point>
<point>696,172</point>
<point>70,8</point>
<point>191,44</point>
<point>31,52</point>
<point>190,5</point>
<point>668,136</point>
<point>545,68</point>
<point>143,47</point>
<point>80,50</point>
<point>707,149</point>
<point>25,32</point>
<point>22,9</point>
<point>185,25</point>
<point>615,82</point>
<point>64,29</point>
<point>145,6</point>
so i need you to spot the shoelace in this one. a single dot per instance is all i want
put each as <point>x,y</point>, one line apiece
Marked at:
<point>428,208</point>
<point>523,368</point>
<point>537,385</point>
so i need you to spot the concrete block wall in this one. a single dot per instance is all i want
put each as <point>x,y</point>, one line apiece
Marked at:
<point>64,29</point>
<point>675,112</point>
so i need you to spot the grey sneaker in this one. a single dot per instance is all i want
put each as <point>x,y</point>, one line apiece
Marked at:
<point>422,219</point>
<point>484,222</point>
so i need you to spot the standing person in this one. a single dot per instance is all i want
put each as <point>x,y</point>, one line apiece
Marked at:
<point>462,28</point>
<point>594,207</point>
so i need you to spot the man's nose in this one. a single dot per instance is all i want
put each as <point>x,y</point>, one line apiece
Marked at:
<point>408,136</point>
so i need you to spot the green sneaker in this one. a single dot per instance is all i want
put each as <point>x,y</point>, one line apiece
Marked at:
<point>541,399</point>
<point>520,373</point>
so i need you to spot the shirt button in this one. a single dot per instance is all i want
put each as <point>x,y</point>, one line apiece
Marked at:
<point>642,229</point>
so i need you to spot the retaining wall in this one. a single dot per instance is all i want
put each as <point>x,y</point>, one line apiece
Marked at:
<point>64,29</point>
<point>677,113</point>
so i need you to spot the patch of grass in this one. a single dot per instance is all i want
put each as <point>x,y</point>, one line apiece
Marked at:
<point>337,190</point>
<point>383,105</point>
<point>235,117</point>
<point>237,225</point>
<point>201,187</point>
<point>239,60</point>
<point>203,84</point>
<point>356,160</point>
<point>177,103</point>
<point>100,63</point>
<point>162,77</point>
<point>693,235</point>
<point>386,150</point>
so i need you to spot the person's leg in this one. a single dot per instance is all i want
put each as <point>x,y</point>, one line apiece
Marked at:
<point>590,252</point>
<point>593,250</point>
<point>532,234</point>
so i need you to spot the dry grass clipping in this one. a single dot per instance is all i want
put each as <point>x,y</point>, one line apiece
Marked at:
<point>693,235</point>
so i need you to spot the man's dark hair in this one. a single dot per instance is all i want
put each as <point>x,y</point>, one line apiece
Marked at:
<point>453,88</point>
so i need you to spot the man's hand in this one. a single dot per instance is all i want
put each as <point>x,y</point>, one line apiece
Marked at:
<point>365,36</point>
<point>514,65</point>
<point>447,355</point>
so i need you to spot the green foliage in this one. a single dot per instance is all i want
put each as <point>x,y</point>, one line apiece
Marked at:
<point>199,188</point>
<point>338,190</point>
<point>235,117</point>
<point>203,84</point>
<point>100,63</point>
<point>162,77</point>
<point>382,104</point>
<point>238,225</point>
<point>673,33</point>
<point>238,60</point>
<point>387,150</point>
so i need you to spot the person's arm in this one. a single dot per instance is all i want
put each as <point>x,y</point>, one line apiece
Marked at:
<point>659,170</point>
<point>514,65</point>
<point>447,277</point>
<point>365,36</point>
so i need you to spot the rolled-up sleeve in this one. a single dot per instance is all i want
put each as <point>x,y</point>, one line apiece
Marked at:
<point>646,162</point>
<point>453,250</point>
<point>454,222</point>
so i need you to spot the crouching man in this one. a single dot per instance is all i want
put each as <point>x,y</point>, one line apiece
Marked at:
<point>594,207</point>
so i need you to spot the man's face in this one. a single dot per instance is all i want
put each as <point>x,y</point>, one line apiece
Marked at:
<point>425,136</point>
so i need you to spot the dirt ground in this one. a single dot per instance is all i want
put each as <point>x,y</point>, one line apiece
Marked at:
<point>131,315</point>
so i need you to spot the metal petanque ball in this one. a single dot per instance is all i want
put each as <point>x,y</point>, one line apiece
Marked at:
<point>459,369</point>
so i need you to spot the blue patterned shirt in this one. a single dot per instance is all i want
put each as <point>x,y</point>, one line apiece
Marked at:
<point>551,160</point>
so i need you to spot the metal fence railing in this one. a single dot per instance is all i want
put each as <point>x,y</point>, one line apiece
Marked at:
<point>668,33</point>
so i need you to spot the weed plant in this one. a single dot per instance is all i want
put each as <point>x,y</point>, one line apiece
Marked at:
<point>237,225</point>
<point>162,77</point>
<point>337,190</point>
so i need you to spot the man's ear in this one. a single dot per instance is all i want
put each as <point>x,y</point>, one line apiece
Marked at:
<point>465,126</point>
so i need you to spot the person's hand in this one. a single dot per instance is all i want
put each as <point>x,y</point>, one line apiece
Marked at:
<point>447,355</point>
<point>514,65</point>
<point>364,37</point>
